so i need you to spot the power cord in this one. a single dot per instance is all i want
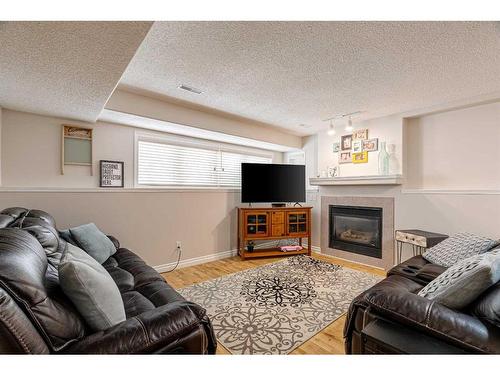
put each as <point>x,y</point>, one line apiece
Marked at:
<point>179,250</point>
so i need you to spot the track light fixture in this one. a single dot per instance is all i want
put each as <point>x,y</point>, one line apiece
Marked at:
<point>331,130</point>
<point>349,126</point>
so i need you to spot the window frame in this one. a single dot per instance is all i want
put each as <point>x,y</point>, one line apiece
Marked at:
<point>172,139</point>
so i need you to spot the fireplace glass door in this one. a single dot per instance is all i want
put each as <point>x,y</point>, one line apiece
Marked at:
<point>356,229</point>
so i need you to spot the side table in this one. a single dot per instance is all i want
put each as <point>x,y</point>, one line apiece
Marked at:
<point>419,240</point>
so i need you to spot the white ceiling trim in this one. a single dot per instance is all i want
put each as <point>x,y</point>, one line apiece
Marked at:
<point>128,119</point>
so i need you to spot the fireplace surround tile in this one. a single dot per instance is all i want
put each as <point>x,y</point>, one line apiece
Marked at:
<point>387,205</point>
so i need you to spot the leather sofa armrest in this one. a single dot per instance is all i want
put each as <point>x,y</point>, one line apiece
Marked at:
<point>433,318</point>
<point>154,331</point>
<point>115,241</point>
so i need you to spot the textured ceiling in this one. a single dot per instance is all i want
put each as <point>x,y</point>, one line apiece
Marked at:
<point>288,73</point>
<point>66,69</point>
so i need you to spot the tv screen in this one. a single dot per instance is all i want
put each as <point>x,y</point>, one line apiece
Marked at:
<point>273,183</point>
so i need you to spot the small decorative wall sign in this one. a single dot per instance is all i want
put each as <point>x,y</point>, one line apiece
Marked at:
<point>370,145</point>
<point>111,173</point>
<point>345,157</point>
<point>346,142</point>
<point>336,147</point>
<point>360,157</point>
<point>357,146</point>
<point>360,134</point>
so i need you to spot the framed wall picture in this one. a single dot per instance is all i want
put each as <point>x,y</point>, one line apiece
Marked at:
<point>111,173</point>
<point>360,134</point>
<point>357,146</point>
<point>346,142</point>
<point>336,146</point>
<point>76,147</point>
<point>370,145</point>
<point>345,157</point>
<point>360,157</point>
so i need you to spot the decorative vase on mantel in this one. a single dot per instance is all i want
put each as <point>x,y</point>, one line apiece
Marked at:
<point>393,160</point>
<point>383,160</point>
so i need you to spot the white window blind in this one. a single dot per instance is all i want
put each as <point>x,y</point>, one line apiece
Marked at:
<point>168,164</point>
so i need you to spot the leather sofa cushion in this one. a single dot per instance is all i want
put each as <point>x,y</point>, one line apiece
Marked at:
<point>417,269</point>
<point>142,288</point>
<point>23,266</point>
<point>18,217</point>
<point>487,306</point>
<point>394,298</point>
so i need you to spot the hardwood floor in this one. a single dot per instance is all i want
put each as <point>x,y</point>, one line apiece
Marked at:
<point>327,341</point>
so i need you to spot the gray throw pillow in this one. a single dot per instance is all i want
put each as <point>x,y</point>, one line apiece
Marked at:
<point>91,289</point>
<point>458,247</point>
<point>462,283</point>
<point>93,241</point>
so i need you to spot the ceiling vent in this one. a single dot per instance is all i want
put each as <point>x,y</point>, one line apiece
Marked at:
<point>190,89</point>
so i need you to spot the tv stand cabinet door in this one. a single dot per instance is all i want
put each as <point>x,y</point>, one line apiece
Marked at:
<point>256,224</point>
<point>297,223</point>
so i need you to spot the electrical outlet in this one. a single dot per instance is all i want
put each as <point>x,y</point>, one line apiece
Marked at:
<point>178,245</point>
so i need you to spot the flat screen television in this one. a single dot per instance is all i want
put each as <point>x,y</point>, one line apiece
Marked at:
<point>273,183</point>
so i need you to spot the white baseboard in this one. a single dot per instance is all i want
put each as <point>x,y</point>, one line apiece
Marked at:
<point>316,249</point>
<point>207,258</point>
<point>198,260</point>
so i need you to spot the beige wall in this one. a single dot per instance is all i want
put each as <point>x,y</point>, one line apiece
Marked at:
<point>387,129</point>
<point>133,103</point>
<point>455,149</point>
<point>31,152</point>
<point>452,161</point>
<point>148,222</point>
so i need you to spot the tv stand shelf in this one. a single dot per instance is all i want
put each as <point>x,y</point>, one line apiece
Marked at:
<point>273,223</point>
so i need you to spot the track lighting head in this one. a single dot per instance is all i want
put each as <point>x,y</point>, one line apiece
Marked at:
<point>349,126</point>
<point>331,130</point>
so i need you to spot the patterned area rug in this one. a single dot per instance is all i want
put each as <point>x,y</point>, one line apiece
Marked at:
<point>274,308</point>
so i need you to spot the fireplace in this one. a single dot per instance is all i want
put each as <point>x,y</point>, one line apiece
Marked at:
<point>356,229</point>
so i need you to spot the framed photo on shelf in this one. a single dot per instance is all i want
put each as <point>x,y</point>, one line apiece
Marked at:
<point>360,134</point>
<point>370,145</point>
<point>346,142</point>
<point>360,157</point>
<point>336,147</point>
<point>357,146</point>
<point>111,174</point>
<point>345,157</point>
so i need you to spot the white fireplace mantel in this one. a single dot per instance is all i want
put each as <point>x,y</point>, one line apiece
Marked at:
<point>357,180</point>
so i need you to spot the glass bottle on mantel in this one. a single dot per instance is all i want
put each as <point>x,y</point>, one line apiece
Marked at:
<point>383,160</point>
<point>393,160</point>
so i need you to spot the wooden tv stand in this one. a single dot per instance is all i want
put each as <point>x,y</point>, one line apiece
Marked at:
<point>273,223</point>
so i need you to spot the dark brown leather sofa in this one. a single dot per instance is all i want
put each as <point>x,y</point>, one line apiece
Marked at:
<point>391,318</point>
<point>37,318</point>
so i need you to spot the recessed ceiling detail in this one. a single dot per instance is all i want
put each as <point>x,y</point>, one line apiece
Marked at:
<point>288,73</point>
<point>65,69</point>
